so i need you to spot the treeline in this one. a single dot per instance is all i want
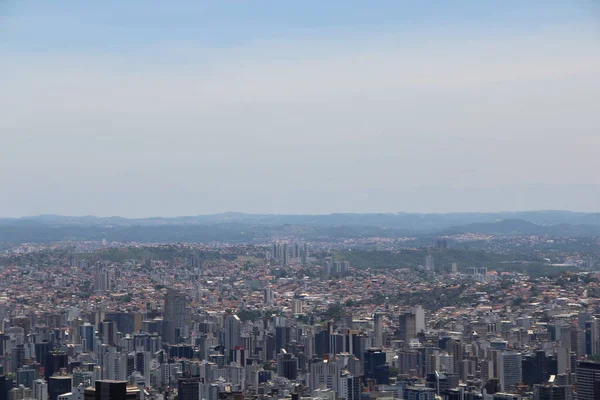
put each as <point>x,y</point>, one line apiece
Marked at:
<point>162,253</point>
<point>443,259</point>
<point>413,258</point>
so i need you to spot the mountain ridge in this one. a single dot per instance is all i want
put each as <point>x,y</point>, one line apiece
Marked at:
<point>240,227</point>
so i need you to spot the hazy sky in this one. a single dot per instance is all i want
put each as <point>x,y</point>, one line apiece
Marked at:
<point>145,108</point>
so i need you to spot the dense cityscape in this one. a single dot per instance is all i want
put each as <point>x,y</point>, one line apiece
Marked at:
<point>299,200</point>
<point>354,319</point>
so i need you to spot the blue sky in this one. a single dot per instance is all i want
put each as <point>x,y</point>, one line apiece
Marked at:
<point>105,26</point>
<point>298,107</point>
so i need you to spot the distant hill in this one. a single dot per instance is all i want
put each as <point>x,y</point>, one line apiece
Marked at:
<point>407,221</point>
<point>240,227</point>
<point>520,227</point>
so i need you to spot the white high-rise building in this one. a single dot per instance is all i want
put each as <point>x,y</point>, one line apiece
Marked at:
<point>101,280</point>
<point>40,389</point>
<point>429,263</point>
<point>297,306</point>
<point>325,375</point>
<point>269,297</point>
<point>350,387</point>
<point>419,319</point>
<point>509,370</point>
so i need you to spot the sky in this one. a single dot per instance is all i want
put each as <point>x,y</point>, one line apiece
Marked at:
<point>166,108</point>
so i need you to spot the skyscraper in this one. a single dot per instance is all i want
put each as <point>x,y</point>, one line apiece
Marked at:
<point>232,327</point>
<point>304,254</point>
<point>297,306</point>
<point>59,384</point>
<point>350,387</point>
<point>55,361</point>
<point>285,256</point>
<point>101,280</point>
<point>419,319</point>
<point>407,326</point>
<point>376,367</point>
<point>588,380</point>
<point>551,392</point>
<point>18,357</point>
<point>174,314</point>
<point>287,365</point>
<point>5,386</point>
<point>269,296</point>
<point>108,330</point>
<point>509,370</point>
<point>324,375</point>
<point>111,390</point>
<point>429,263</point>
<point>189,389</point>
<point>378,328</point>
<point>86,331</point>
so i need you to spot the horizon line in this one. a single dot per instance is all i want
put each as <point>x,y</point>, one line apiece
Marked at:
<point>299,214</point>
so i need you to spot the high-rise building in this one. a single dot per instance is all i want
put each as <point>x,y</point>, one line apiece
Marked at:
<point>297,306</point>
<point>429,263</point>
<point>232,327</point>
<point>174,315</point>
<point>378,328</point>
<point>269,296</point>
<point>419,393</point>
<point>87,333</point>
<point>111,390</point>
<point>407,326</point>
<point>376,367</point>
<point>59,384</point>
<point>419,319</point>
<point>40,389</point>
<point>285,255</point>
<point>538,367</point>
<point>26,376</point>
<point>41,352</point>
<point>345,267</point>
<point>108,332</point>
<point>551,392</point>
<point>287,365</point>
<point>588,380</point>
<point>337,268</point>
<point>304,254</point>
<point>324,375</point>
<point>17,357</point>
<point>127,322</point>
<point>509,370</point>
<point>5,386</point>
<point>101,280</point>
<point>282,337</point>
<point>350,387</point>
<point>83,377</point>
<point>327,268</point>
<point>592,336</point>
<point>55,361</point>
<point>189,389</point>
